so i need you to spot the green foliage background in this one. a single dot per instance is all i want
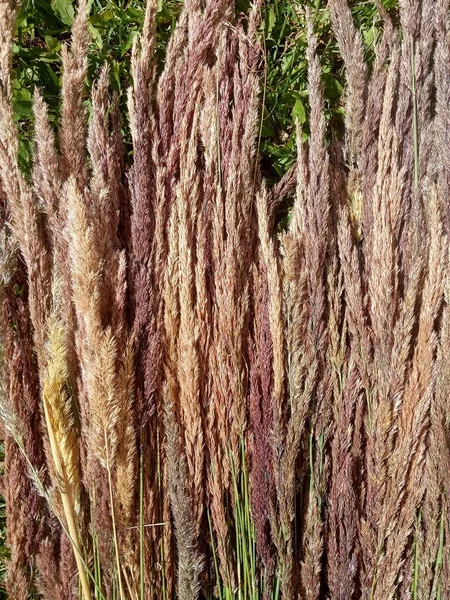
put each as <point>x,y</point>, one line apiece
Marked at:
<point>43,25</point>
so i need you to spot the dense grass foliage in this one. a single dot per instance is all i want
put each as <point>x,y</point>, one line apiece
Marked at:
<point>225,366</point>
<point>43,25</point>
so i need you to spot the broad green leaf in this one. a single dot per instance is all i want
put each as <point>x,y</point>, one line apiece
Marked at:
<point>299,112</point>
<point>129,42</point>
<point>64,10</point>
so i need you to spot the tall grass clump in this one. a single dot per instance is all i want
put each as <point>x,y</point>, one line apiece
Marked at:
<point>198,402</point>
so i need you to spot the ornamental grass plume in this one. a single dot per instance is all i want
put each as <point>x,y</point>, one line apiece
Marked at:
<point>198,401</point>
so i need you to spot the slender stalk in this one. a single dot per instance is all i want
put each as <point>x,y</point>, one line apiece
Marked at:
<point>415,581</point>
<point>113,517</point>
<point>141,527</point>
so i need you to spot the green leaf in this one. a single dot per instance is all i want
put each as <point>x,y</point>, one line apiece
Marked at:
<point>96,36</point>
<point>370,36</point>
<point>22,103</point>
<point>101,19</point>
<point>299,112</point>
<point>64,11</point>
<point>333,89</point>
<point>129,42</point>
<point>270,21</point>
<point>53,44</point>
<point>268,127</point>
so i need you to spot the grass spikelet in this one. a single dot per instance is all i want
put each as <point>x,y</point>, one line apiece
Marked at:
<point>63,438</point>
<point>72,134</point>
<point>190,562</point>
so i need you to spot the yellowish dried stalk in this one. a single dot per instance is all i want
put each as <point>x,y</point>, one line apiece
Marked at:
<point>63,438</point>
